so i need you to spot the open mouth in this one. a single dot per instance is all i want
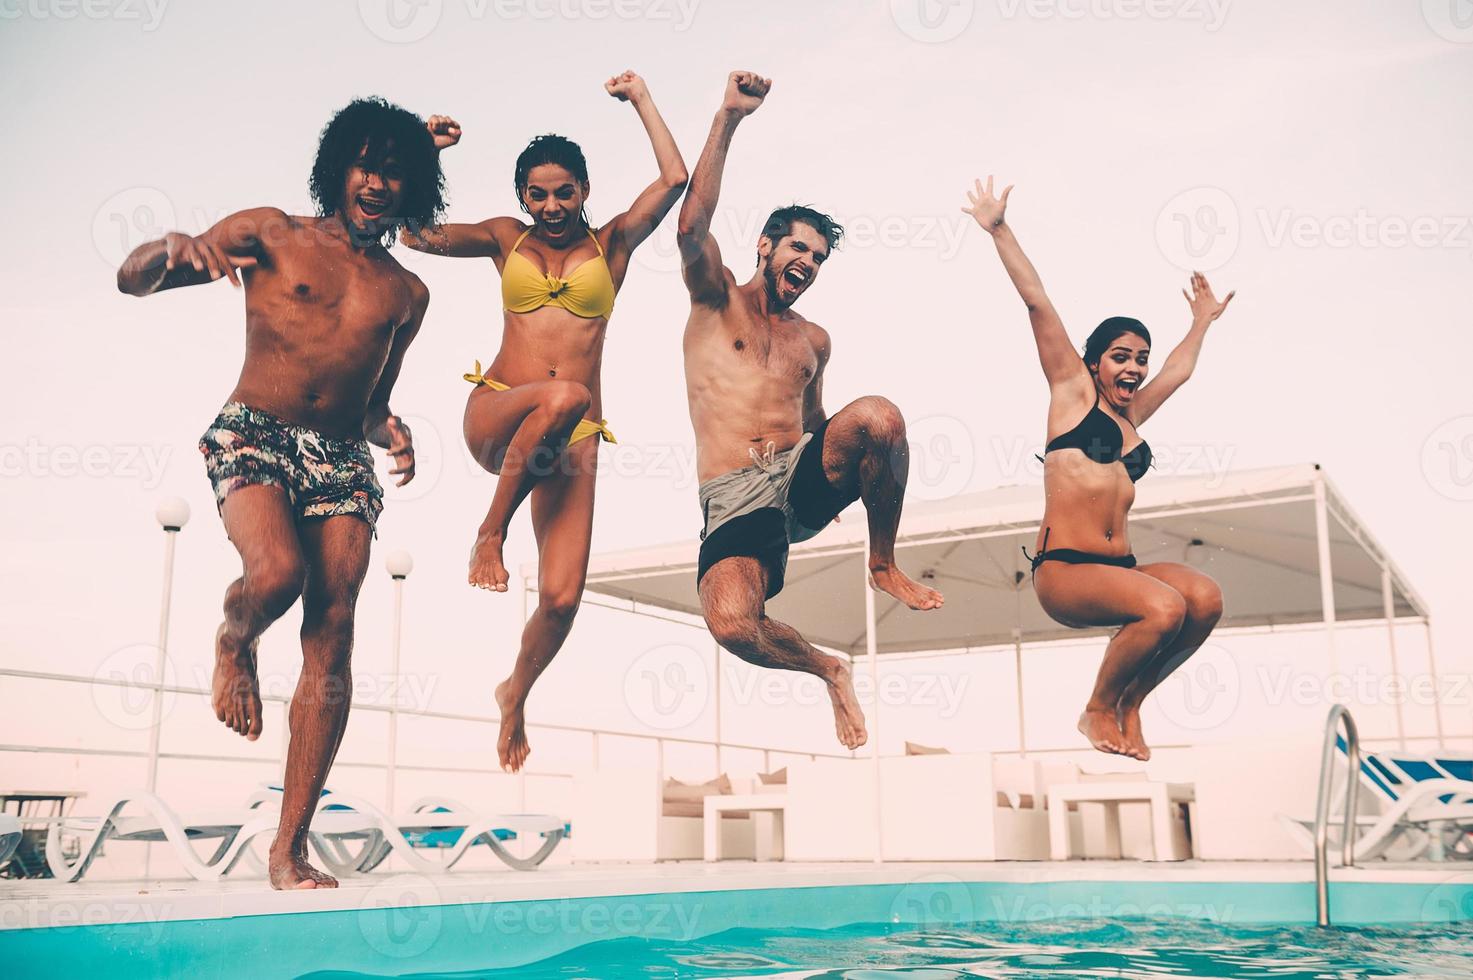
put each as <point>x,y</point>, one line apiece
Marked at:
<point>555,226</point>
<point>372,207</point>
<point>795,277</point>
<point>1128,385</point>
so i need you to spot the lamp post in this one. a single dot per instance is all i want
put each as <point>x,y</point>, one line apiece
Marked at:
<point>172,514</point>
<point>398,564</point>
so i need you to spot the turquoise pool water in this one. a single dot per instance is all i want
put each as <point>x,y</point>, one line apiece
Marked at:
<point>931,927</point>
<point>1081,948</point>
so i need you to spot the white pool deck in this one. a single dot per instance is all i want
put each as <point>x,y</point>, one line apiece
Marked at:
<point>30,904</point>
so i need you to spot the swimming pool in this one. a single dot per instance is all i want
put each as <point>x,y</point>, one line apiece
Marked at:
<point>928,922</point>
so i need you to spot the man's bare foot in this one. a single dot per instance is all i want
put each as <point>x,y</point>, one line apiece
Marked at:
<point>848,718</point>
<point>1102,730</point>
<point>487,571</point>
<point>891,580</point>
<point>1130,728</point>
<point>511,745</point>
<point>291,871</point>
<point>234,692</point>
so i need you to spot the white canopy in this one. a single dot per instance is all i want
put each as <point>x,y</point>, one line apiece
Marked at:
<point>1262,534</point>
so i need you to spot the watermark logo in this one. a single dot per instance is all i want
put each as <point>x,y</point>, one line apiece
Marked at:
<point>1204,692</point>
<point>943,457</point>
<point>401,916</point>
<point>667,687</point>
<point>400,21</point>
<point>932,21</point>
<point>149,12</point>
<point>934,901</point>
<point>429,462</point>
<point>1199,229</point>
<point>124,687</point>
<point>1451,20</point>
<point>1451,900</point>
<point>1447,458</point>
<point>128,219</point>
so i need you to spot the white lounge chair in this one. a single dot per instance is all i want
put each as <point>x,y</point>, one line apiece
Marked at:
<point>1425,809</point>
<point>432,823</point>
<point>10,836</point>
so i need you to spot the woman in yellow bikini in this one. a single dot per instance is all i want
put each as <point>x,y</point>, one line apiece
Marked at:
<point>535,415</point>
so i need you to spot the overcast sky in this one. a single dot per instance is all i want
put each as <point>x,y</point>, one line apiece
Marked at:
<point>1313,156</point>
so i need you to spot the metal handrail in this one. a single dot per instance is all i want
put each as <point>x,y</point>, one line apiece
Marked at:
<point>1338,714</point>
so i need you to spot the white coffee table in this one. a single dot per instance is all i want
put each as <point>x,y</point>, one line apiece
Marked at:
<point>766,811</point>
<point>1162,797</point>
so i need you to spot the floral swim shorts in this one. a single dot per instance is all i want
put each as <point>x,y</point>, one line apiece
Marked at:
<point>323,476</point>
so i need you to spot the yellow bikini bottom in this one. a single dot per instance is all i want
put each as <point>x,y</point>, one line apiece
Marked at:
<point>584,428</point>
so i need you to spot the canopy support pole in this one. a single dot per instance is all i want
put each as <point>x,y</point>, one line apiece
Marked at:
<point>1327,580</point>
<point>1388,608</point>
<point>871,649</point>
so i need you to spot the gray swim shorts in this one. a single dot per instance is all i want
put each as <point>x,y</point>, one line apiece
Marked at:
<point>758,510</point>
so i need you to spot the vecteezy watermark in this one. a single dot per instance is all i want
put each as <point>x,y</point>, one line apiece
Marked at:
<point>1203,693</point>
<point>1018,458</point>
<point>149,12</point>
<point>943,457</point>
<point>1199,229</point>
<point>1026,909</point>
<point>125,683</point>
<point>37,460</point>
<point>1451,20</point>
<point>401,916</point>
<point>934,901</point>
<point>668,687</point>
<point>1362,229</point>
<point>1363,686</point>
<point>932,21</point>
<point>407,21</point>
<point>941,693</point>
<point>36,913</point>
<point>128,219</point>
<point>1447,458</point>
<point>1212,13</point>
<point>738,230</point>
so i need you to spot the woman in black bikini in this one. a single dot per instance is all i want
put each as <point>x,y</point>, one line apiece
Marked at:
<point>1084,573</point>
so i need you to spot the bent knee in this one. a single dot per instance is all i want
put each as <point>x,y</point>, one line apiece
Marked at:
<point>735,633</point>
<point>560,604</point>
<point>1165,611</point>
<point>568,400</point>
<point>880,417</point>
<point>1204,601</point>
<point>276,583</point>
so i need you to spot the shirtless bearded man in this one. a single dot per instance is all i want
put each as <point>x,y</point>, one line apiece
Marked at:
<point>774,468</point>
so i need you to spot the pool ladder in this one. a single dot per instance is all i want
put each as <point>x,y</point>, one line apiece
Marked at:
<point>1339,714</point>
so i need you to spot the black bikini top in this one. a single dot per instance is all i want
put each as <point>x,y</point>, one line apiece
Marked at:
<point>1099,437</point>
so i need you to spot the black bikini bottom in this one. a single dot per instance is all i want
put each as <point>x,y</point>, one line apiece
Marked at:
<point>1070,556</point>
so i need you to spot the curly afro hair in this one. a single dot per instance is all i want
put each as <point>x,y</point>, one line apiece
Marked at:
<point>373,127</point>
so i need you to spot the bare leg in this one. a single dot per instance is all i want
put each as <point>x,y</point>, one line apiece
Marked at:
<point>865,445</point>
<point>562,518</point>
<point>518,434</point>
<point>1204,608</point>
<point>1101,595</point>
<point>260,524</point>
<point>337,558</point>
<point>732,599</point>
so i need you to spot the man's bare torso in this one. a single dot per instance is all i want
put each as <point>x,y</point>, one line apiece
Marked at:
<point>320,319</point>
<point>746,373</point>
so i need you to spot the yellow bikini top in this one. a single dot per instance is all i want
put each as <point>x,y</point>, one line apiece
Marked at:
<point>588,291</point>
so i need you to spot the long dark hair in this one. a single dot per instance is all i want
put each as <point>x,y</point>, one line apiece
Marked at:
<point>374,128</point>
